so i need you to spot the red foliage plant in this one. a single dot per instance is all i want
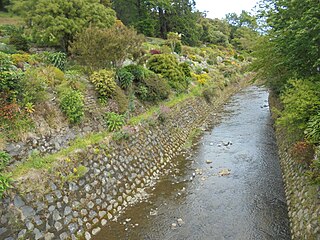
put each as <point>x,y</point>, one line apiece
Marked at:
<point>303,152</point>
<point>155,51</point>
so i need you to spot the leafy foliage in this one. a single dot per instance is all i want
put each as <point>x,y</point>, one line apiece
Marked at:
<point>125,78</point>
<point>72,104</point>
<point>312,131</point>
<point>301,101</point>
<point>153,88</point>
<point>114,121</point>
<point>4,160</point>
<point>57,59</point>
<point>104,82</point>
<point>167,65</point>
<point>103,48</point>
<point>57,21</point>
<point>4,184</point>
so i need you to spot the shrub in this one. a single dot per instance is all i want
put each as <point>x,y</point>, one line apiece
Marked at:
<point>104,83</point>
<point>107,47</point>
<point>34,84</point>
<point>4,184</point>
<point>4,160</point>
<point>114,121</point>
<point>125,78</point>
<point>142,92</point>
<point>301,100</point>
<point>312,131</point>
<point>10,83</point>
<point>72,104</point>
<point>19,58</point>
<point>5,62</point>
<point>167,65</point>
<point>138,71</point>
<point>157,88</point>
<point>19,41</point>
<point>121,99</point>
<point>186,69</point>
<point>57,59</point>
<point>51,75</point>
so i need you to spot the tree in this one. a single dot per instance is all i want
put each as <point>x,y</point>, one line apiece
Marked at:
<point>56,22</point>
<point>292,41</point>
<point>105,48</point>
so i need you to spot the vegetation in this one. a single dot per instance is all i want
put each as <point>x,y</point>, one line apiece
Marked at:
<point>287,57</point>
<point>64,51</point>
<point>72,104</point>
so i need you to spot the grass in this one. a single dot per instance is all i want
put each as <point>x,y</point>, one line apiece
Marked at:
<point>9,19</point>
<point>35,161</point>
<point>172,102</point>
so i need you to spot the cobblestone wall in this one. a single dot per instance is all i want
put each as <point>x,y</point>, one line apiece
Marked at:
<point>53,205</point>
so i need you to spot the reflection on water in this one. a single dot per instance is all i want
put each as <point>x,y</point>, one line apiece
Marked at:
<point>247,202</point>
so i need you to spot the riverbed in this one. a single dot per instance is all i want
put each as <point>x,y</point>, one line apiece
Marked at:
<point>229,186</point>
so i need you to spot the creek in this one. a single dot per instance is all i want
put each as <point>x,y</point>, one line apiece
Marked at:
<point>229,187</point>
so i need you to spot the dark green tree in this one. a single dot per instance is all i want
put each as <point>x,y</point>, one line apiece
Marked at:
<point>56,22</point>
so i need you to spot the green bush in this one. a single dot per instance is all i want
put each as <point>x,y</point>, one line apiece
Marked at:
<point>138,71</point>
<point>121,99</point>
<point>153,88</point>
<point>104,82</point>
<point>34,86</point>
<point>72,104</point>
<point>114,121</point>
<point>142,92</point>
<point>301,100</point>
<point>312,131</point>
<point>19,40</point>
<point>57,59</point>
<point>4,184</point>
<point>4,160</point>
<point>168,66</point>
<point>186,69</point>
<point>125,78</point>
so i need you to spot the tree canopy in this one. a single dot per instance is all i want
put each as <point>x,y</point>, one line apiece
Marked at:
<point>57,21</point>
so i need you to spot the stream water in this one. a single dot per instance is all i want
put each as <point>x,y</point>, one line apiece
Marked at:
<point>230,187</point>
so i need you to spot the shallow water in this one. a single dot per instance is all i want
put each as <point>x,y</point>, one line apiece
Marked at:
<point>249,203</point>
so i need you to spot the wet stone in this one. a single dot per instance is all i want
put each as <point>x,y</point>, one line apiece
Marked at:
<point>29,225</point>
<point>58,226</point>
<point>28,211</point>
<point>67,220</point>
<point>90,204</point>
<point>18,202</point>
<point>37,234</point>
<point>64,236</point>
<point>48,236</point>
<point>49,198</point>
<point>21,233</point>
<point>87,236</point>
<point>2,230</point>
<point>58,194</point>
<point>67,210</point>
<point>73,227</point>
<point>51,208</point>
<point>95,231</point>
<point>92,214</point>
<point>56,215</point>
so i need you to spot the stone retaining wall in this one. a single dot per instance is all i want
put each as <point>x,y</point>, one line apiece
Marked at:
<point>303,199</point>
<point>62,205</point>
